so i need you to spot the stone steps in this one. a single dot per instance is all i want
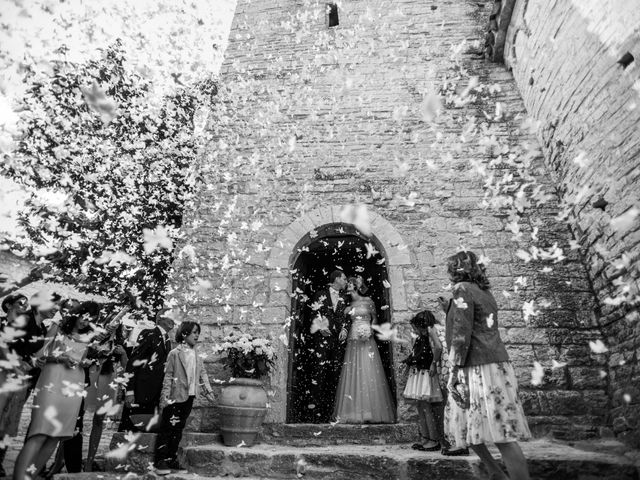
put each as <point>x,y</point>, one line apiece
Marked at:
<point>297,435</point>
<point>141,446</point>
<point>364,452</point>
<point>547,460</point>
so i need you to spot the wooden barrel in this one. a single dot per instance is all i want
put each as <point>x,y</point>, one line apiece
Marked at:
<point>243,406</point>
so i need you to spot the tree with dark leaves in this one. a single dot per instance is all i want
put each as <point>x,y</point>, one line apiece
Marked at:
<point>121,168</point>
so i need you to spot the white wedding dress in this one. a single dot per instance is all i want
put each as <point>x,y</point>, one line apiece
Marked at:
<point>363,394</point>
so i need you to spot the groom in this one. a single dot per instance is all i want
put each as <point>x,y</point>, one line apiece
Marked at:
<point>328,345</point>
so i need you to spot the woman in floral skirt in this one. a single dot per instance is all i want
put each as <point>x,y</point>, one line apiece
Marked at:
<point>483,401</point>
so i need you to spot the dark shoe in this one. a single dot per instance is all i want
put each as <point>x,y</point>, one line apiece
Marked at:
<point>435,448</point>
<point>176,468</point>
<point>162,468</point>
<point>418,446</point>
<point>455,453</point>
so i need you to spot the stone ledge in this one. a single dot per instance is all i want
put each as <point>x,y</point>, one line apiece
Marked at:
<point>547,460</point>
<point>307,434</point>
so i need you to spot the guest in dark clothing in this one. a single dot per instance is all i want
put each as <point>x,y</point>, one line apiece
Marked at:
<point>423,386</point>
<point>328,344</point>
<point>145,367</point>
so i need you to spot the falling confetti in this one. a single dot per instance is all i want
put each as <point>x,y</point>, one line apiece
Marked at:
<point>490,320</point>
<point>460,303</point>
<point>51,415</point>
<point>430,108</point>
<point>624,222</point>
<point>528,310</point>
<point>598,346</point>
<point>387,333</point>
<point>537,374</point>
<point>319,323</point>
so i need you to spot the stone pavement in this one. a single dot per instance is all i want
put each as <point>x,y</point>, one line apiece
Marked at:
<point>547,460</point>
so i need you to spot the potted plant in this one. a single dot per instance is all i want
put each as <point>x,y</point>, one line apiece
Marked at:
<point>243,400</point>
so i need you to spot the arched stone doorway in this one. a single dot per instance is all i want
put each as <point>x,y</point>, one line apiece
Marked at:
<point>317,254</point>
<point>283,254</point>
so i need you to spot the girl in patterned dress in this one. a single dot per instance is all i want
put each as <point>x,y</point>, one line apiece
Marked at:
<point>483,401</point>
<point>423,386</point>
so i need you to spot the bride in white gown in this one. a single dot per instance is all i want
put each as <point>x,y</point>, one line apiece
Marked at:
<point>363,392</point>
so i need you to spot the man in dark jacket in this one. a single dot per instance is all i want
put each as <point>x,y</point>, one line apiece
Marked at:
<point>329,334</point>
<point>146,369</point>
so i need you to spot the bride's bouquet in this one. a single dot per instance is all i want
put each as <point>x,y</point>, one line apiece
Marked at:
<point>362,331</point>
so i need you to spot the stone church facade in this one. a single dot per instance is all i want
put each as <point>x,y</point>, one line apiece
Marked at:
<point>388,116</point>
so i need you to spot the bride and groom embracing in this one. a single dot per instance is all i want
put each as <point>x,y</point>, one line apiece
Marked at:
<point>349,383</point>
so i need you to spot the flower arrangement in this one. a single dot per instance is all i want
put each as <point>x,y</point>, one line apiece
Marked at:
<point>247,357</point>
<point>362,331</point>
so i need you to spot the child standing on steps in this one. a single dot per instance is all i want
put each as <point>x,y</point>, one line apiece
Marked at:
<point>423,386</point>
<point>183,378</point>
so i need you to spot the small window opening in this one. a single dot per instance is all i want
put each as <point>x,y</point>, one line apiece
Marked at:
<point>626,60</point>
<point>332,15</point>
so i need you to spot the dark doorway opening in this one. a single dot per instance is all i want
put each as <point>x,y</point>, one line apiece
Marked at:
<point>334,246</point>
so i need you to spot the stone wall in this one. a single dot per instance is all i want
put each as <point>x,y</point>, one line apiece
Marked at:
<point>395,109</point>
<point>576,66</point>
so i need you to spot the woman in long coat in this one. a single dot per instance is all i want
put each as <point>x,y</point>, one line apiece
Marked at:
<point>483,401</point>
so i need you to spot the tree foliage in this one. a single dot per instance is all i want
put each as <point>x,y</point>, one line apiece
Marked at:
<point>123,167</point>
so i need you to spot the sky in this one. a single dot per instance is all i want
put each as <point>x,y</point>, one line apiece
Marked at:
<point>161,36</point>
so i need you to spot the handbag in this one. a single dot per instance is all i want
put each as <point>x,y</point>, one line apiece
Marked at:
<point>460,393</point>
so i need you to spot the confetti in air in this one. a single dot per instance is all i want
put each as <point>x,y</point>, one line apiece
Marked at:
<point>51,415</point>
<point>460,303</point>
<point>597,346</point>
<point>537,374</point>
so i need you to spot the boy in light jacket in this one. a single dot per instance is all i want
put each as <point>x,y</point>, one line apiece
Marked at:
<point>184,377</point>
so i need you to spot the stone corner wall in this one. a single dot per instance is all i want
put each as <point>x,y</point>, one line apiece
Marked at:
<point>577,66</point>
<point>311,119</point>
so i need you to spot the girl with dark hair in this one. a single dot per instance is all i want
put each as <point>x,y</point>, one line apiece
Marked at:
<point>363,394</point>
<point>183,378</point>
<point>483,401</point>
<point>60,390</point>
<point>423,386</point>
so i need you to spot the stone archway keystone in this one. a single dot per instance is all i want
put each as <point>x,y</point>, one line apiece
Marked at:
<point>396,251</point>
